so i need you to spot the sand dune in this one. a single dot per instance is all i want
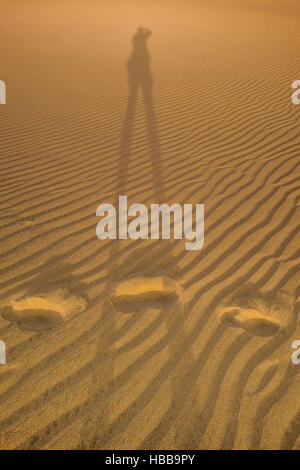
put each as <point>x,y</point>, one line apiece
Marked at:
<point>140,344</point>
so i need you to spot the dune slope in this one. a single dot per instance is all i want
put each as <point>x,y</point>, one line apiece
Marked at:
<point>111,358</point>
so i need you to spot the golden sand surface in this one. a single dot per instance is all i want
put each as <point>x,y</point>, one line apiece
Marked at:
<point>141,344</point>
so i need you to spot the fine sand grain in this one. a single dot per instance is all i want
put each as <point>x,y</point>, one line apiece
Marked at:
<point>140,344</point>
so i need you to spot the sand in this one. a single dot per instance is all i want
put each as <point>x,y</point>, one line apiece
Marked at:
<point>100,353</point>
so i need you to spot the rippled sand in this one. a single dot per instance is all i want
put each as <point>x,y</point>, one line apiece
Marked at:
<point>142,344</point>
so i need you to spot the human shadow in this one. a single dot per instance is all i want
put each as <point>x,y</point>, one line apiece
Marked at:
<point>140,80</point>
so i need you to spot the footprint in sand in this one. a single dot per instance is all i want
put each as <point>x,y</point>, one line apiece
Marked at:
<point>136,292</point>
<point>250,320</point>
<point>258,316</point>
<point>44,311</point>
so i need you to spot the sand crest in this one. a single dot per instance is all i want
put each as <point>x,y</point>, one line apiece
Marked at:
<point>141,344</point>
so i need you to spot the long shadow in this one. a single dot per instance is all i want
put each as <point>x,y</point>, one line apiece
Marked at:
<point>99,425</point>
<point>140,81</point>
